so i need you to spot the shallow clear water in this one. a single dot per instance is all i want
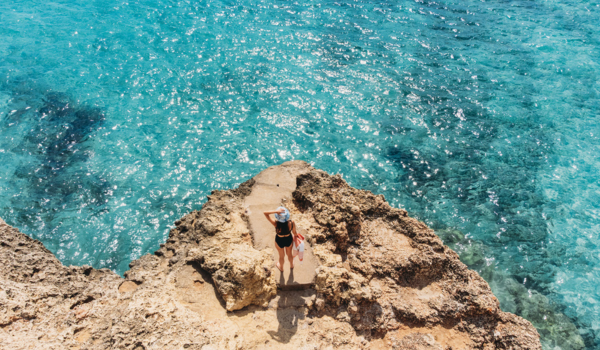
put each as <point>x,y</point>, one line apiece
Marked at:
<point>479,117</point>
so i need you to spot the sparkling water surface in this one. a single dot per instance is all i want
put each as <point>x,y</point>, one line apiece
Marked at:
<point>478,117</point>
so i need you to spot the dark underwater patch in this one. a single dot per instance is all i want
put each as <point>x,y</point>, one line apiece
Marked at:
<point>53,137</point>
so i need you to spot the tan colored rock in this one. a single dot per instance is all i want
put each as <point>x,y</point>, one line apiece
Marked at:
<point>219,240</point>
<point>418,341</point>
<point>385,281</point>
<point>241,274</point>
<point>382,270</point>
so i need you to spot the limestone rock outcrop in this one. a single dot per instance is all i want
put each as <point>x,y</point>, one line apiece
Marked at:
<point>385,281</point>
<point>382,270</point>
<point>219,240</point>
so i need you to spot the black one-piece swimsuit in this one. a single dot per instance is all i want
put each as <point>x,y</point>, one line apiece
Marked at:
<point>282,229</point>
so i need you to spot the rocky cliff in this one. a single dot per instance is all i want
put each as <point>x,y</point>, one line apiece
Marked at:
<point>384,281</point>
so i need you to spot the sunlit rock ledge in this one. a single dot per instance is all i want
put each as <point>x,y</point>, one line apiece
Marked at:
<point>381,280</point>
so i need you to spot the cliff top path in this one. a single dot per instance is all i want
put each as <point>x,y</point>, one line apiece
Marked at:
<point>272,188</point>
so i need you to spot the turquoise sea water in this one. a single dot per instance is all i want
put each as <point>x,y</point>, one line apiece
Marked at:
<point>479,117</point>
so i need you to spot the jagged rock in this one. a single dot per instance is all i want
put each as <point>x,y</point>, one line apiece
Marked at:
<point>221,243</point>
<point>242,275</point>
<point>418,341</point>
<point>385,281</point>
<point>382,269</point>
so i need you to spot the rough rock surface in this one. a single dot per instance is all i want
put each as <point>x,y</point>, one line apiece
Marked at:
<point>383,270</point>
<point>218,238</point>
<point>385,281</point>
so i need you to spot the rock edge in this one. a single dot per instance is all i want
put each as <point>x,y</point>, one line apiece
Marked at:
<point>385,280</point>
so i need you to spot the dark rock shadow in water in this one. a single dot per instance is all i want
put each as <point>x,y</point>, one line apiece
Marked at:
<point>57,145</point>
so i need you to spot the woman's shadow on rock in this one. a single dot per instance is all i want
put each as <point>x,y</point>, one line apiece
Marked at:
<point>290,310</point>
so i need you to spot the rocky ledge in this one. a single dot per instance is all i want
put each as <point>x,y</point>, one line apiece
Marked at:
<point>383,281</point>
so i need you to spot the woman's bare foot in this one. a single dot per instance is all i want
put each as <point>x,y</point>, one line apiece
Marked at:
<point>279,267</point>
<point>291,265</point>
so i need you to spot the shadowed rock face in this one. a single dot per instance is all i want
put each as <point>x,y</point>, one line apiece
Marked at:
<point>385,281</point>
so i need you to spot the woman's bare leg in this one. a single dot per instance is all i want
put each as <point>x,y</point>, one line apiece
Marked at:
<point>281,255</point>
<point>288,251</point>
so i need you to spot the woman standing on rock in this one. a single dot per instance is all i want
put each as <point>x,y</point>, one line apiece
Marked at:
<point>285,232</point>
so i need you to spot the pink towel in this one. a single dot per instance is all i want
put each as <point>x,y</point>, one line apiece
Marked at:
<point>298,247</point>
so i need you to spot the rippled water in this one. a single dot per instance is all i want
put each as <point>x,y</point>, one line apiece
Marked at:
<point>479,117</point>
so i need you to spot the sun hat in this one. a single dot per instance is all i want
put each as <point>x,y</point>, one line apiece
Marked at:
<point>283,217</point>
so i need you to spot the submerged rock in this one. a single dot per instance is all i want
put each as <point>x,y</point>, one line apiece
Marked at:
<point>385,280</point>
<point>555,328</point>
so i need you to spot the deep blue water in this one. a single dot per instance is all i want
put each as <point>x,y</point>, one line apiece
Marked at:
<point>478,117</point>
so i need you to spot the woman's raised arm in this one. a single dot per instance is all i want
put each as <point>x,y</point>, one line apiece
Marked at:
<point>268,216</point>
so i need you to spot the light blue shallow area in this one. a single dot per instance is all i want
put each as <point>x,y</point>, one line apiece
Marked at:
<point>479,117</point>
